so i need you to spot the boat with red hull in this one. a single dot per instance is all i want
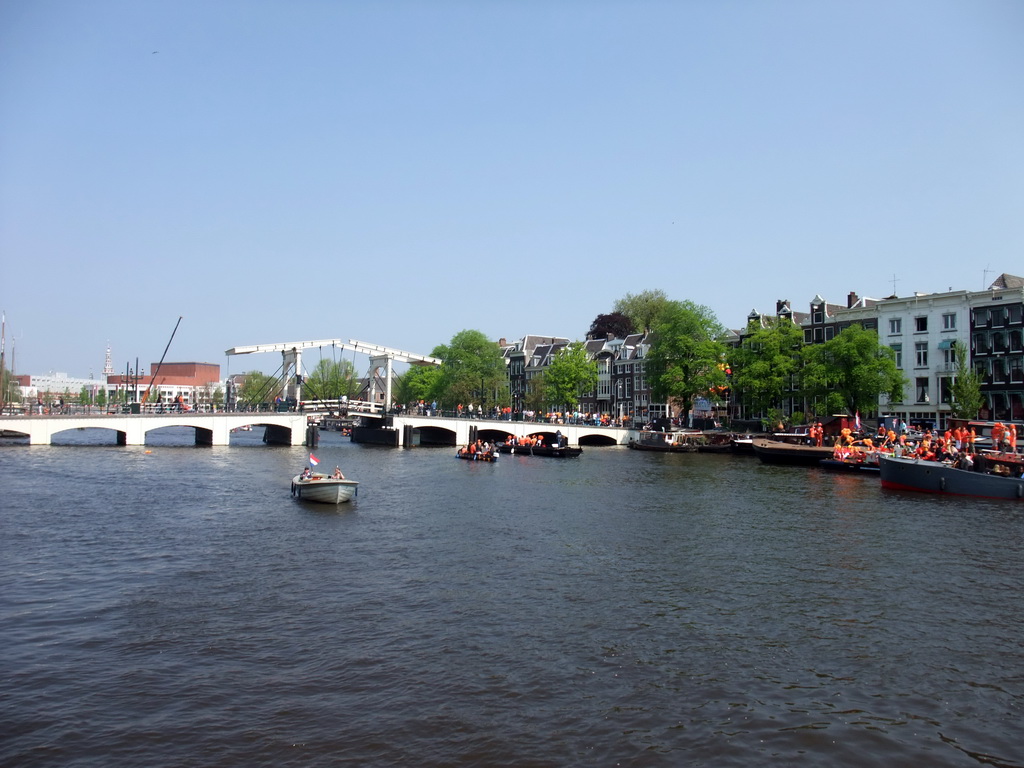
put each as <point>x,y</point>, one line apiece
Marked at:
<point>936,477</point>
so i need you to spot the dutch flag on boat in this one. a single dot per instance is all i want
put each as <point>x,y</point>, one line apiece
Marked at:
<point>313,460</point>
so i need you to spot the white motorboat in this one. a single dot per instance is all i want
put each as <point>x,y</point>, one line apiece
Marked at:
<point>324,488</point>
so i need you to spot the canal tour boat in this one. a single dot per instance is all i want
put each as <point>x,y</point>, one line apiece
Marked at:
<point>902,474</point>
<point>326,489</point>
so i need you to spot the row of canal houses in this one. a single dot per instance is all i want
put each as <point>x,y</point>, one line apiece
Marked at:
<point>920,329</point>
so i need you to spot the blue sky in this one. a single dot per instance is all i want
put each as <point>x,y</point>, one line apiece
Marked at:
<point>396,172</point>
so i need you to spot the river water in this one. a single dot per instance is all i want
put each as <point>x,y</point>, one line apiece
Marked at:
<point>173,605</point>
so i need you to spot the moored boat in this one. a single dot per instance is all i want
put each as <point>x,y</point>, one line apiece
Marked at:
<point>936,477</point>
<point>668,442</point>
<point>324,488</point>
<point>849,465</point>
<point>775,452</point>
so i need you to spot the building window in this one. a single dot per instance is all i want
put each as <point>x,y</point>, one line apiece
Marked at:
<point>998,370</point>
<point>946,389</point>
<point>895,326</point>
<point>1016,370</point>
<point>922,390</point>
<point>818,318</point>
<point>949,322</point>
<point>921,354</point>
<point>818,335</point>
<point>898,352</point>
<point>949,358</point>
<point>980,318</point>
<point>920,324</point>
<point>830,333</point>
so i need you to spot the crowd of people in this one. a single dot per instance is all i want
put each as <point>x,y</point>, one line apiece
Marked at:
<point>958,446</point>
<point>506,413</point>
<point>479,450</point>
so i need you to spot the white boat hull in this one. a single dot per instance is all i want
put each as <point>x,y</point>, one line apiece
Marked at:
<point>324,489</point>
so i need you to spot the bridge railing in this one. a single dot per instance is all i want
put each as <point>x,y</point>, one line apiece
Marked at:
<point>343,407</point>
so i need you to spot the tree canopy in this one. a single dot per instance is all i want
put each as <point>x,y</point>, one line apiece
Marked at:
<point>966,388</point>
<point>570,374</point>
<point>686,353</point>
<point>258,388</point>
<point>472,370</point>
<point>615,324</point>
<point>418,383</point>
<point>331,379</point>
<point>764,364</point>
<point>850,371</point>
<point>643,309</point>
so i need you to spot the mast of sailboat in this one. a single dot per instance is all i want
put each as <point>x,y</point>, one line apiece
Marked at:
<point>145,395</point>
<point>3,371</point>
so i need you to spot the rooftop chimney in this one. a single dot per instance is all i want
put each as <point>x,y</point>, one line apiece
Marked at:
<point>851,300</point>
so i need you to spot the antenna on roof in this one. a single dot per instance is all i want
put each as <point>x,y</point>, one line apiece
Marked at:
<point>894,281</point>
<point>984,276</point>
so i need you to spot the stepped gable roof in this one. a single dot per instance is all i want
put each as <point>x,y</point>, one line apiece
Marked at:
<point>1007,281</point>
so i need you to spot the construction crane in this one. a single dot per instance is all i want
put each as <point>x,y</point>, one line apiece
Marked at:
<point>380,357</point>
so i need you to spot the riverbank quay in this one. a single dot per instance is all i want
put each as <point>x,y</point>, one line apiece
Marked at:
<point>623,607</point>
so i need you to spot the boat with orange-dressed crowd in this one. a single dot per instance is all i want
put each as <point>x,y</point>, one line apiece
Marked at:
<point>534,445</point>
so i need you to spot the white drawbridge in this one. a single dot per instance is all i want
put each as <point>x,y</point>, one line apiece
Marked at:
<point>380,358</point>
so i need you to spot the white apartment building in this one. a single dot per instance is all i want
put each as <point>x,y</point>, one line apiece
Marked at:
<point>921,331</point>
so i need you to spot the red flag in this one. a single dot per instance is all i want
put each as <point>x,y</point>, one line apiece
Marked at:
<point>313,460</point>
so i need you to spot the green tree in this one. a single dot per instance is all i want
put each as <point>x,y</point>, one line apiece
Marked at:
<point>218,398</point>
<point>570,374</point>
<point>101,397</point>
<point>851,370</point>
<point>11,391</point>
<point>258,388</point>
<point>765,362</point>
<point>472,370</point>
<point>686,354</point>
<point>330,380</point>
<point>966,389</point>
<point>643,309</point>
<point>420,382</point>
<point>536,396</point>
<point>84,396</point>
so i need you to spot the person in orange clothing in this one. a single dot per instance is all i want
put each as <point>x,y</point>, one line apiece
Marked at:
<point>997,436</point>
